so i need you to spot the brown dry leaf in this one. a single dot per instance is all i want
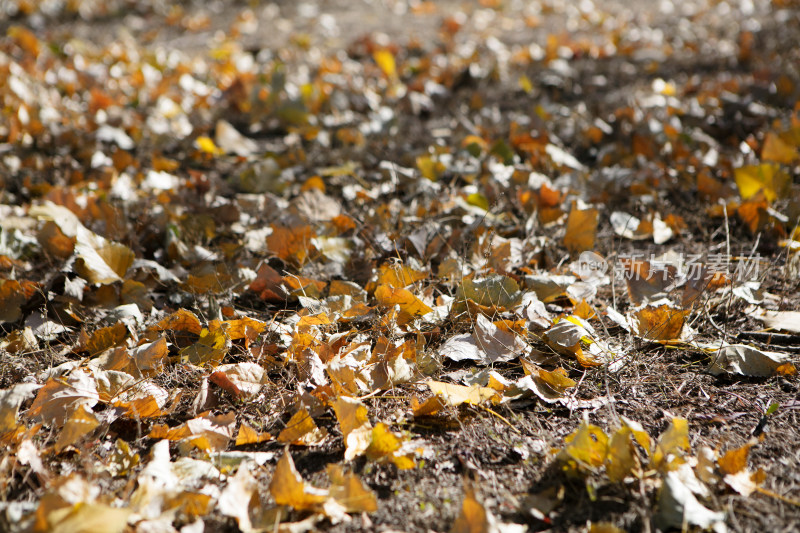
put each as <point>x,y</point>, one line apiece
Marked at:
<point>269,284</point>
<point>13,294</point>
<point>54,242</point>
<point>473,518</point>
<point>292,244</point>
<point>780,320</point>
<point>82,422</point>
<point>238,497</point>
<point>58,398</point>
<point>207,432</point>
<point>410,306</point>
<point>180,320</point>
<point>288,488</point>
<point>748,361</point>
<point>354,422</point>
<point>754,213</point>
<point>105,338</point>
<point>644,282</point>
<point>663,323</point>
<point>581,229</point>
<point>148,359</point>
<point>777,150</point>
<point>301,430</point>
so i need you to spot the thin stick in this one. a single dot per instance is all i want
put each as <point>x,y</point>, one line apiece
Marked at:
<point>501,417</point>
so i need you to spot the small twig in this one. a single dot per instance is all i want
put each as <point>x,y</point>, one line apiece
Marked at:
<point>777,496</point>
<point>501,417</point>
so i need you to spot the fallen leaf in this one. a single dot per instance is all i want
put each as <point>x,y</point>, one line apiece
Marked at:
<point>746,361</point>
<point>288,488</point>
<point>356,429</point>
<point>581,229</point>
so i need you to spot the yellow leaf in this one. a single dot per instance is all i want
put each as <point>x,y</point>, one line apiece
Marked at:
<point>86,518</point>
<point>588,445</point>
<point>385,61</point>
<point>353,420</point>
<point>478,200</point>
<point>584,310</point>
<point>430,168</point>
<point>301,430</point>
<point>410,305</point>
<point>307,321</point>
<point>581,230</point>
<point>211,348</point>
<point>768,178</point>
<point>430,407</point>
<point>288,488</point>
<point>248,435</point>
<point>384,445</point>
<point>672,444</point>
<point>206,145</point>
<point>82,422</point>
<point>455,395</point>
<point>621,459</point>
<point>525,83</point>
<point>398,276</point>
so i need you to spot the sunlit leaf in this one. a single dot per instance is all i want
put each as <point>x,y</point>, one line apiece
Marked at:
<point>410,306</point>
<point>357,431</point>
<point>672,445</point>
<point>301,429</point>
<point>80,423</point>
<point>288,488</point>
<point>768,178</point>
<point>210,349</point>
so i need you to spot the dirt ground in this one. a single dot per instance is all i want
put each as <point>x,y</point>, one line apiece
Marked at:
<point>738,63</point>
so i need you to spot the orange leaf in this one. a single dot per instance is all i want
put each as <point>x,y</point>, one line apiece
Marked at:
<point>581,230</point>
<point>410,305</point>
<point>291,244</point>
<point>776,149</point>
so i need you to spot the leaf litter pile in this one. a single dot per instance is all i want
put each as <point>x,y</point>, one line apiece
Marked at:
<point>491,266</point>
